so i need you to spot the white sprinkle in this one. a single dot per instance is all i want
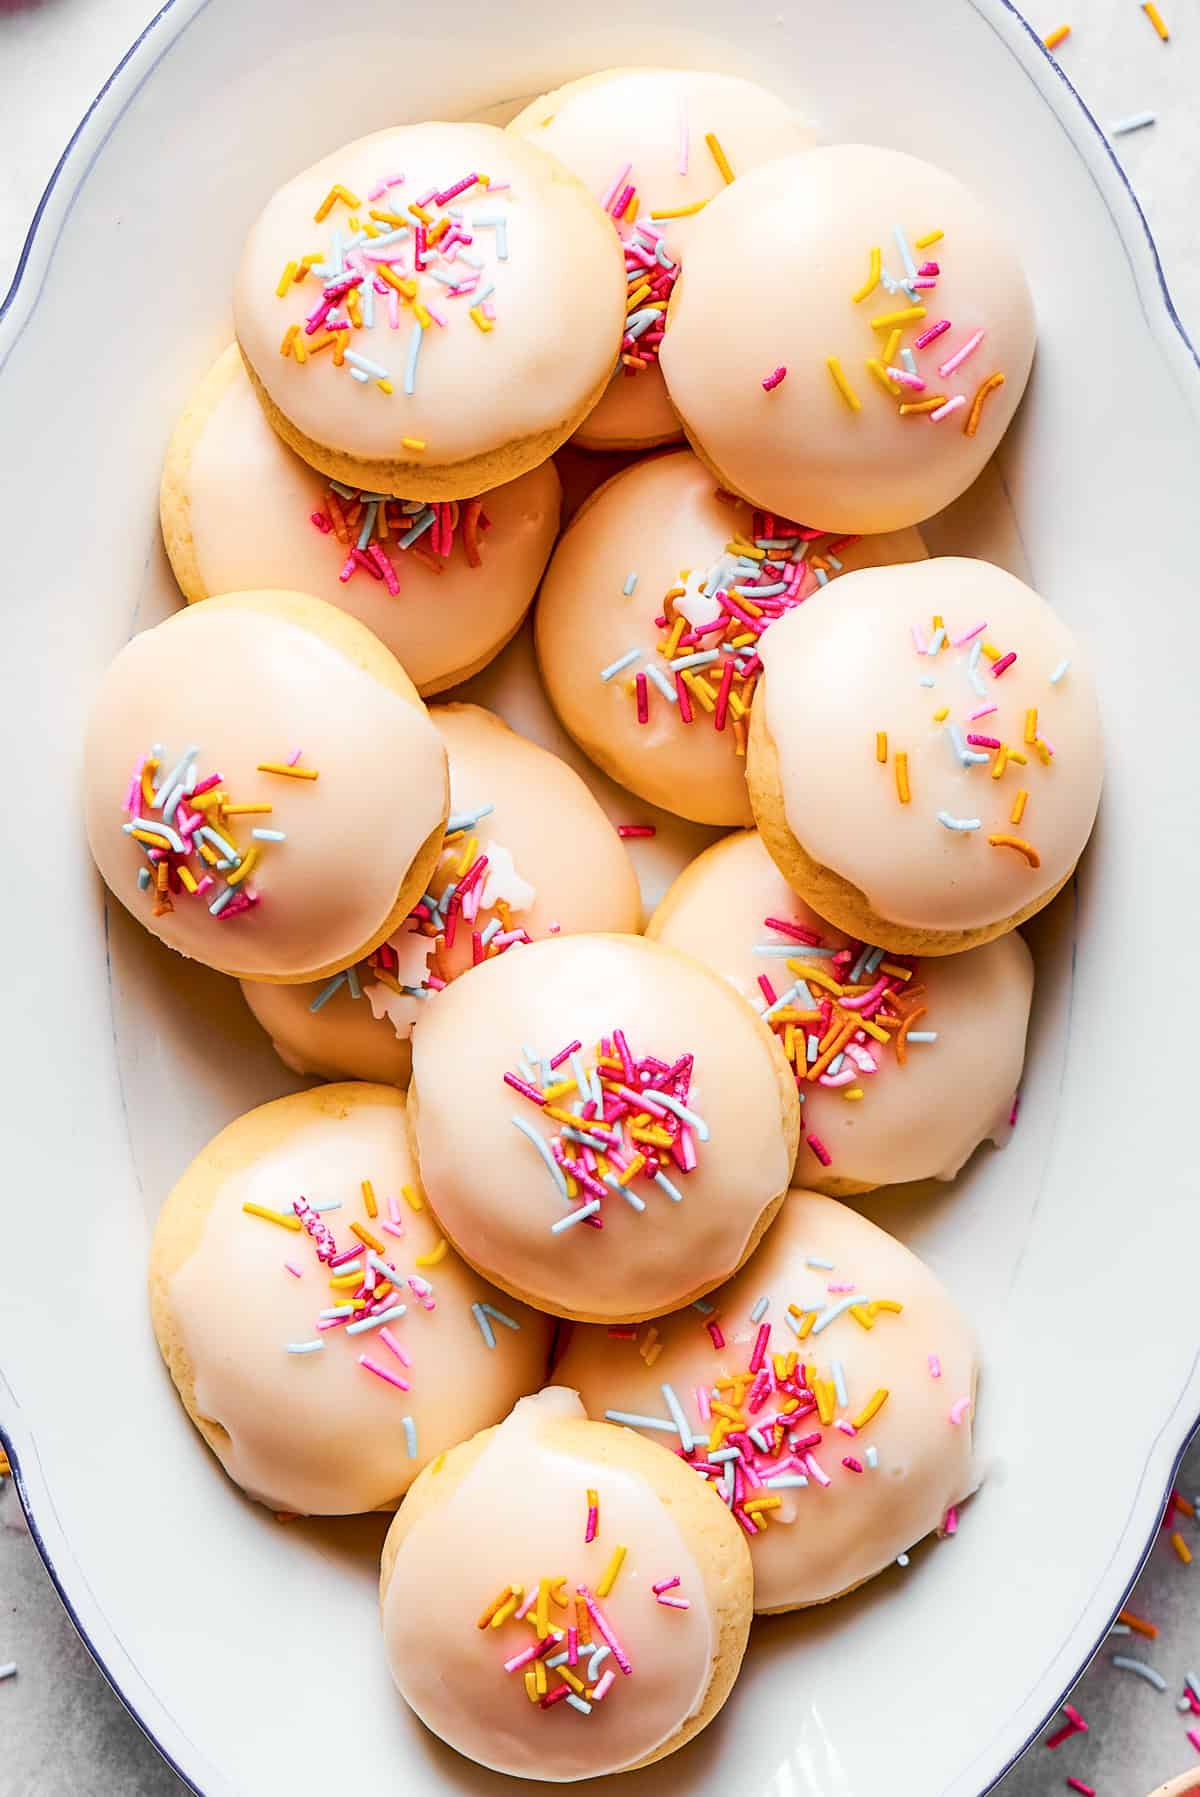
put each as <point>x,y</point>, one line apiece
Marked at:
<point>1135,122</point>
<point>576,1216</point>
<point>304,1347</point>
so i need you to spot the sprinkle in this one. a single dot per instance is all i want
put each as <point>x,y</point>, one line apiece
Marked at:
<point>271,1216</point>
<point>543,1149</point>
<point>616,667</point>
<point>1135,121</point>
<point>719,157</point>
<point>9,1670</point>
<point>410,1436</point>
<point>576,1216</point>
<point>959,1410</point>
<point>1056,37</point>
<point>304,1347</point>
<point>1181,1547</point>
<point>1077,1784</point>
<point>775,378</point>
<point>389,1378</point>
<point>907,315</point>
<point>1156,19</point>
<point>959,357</point>
<point>842,384</point>
<point>610,1572</point>
<point>951,405</point>
<point>985,387</point>
<point>881,748</point>
<point>903,790</point>
<point>677,1416</point>
<point>436,1254</point>
<point>871,1408</point>
<point>1019,843</point>
<point>636,830</point>
<point>632,1420</point>
<point>959,823</point>
<point>1142,1669</point>
<point>284,767</point>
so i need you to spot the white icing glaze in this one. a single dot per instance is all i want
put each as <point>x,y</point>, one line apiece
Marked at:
<point>317,1433</point>
<point>656,519</point>
<point>656,120</point>
<point>250,503</point>
<point>914,870</point>
<point>822,1540</point>
<point>563,865</point>
<point>811,222</point>
<point>246,685</point>
<point>559,299</point>
<point>485,1179</point>
<point>531,1492</point>
<point>918,1120</point>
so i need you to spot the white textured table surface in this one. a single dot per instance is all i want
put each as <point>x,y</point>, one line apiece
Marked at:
<point>62,1733</point>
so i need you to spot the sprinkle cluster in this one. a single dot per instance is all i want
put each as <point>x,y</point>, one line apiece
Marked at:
<point>401,258</point>
<point>364,1287</point>
<point>572,1637</point>
<point>469,883</point>
<point>783,1421</point>
<point>848,1013</point>
<point>629,1120</point>
<point>183,825</point>
<point>372,526</point>
<point>894,367</point>
<point>972,743</point>
<point>707,663</point>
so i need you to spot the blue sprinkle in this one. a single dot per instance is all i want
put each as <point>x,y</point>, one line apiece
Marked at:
<point>822,577</point>
<point>873,960</point>
<point>143,877</point>
<point>356,374</point>
<point>921,1036</point>
<point>493,929</point>
<point>702,658</point>
<point>630,583</point>
<point>822,1266</point>
<point>680,1420</point>
<point>1135,122</point>
<point>499,1316</point>
<point>786,1482</point>
<point>655,673</point>
<point>465,820</point>
<point>831,1313</point>
<point>539,1142</point>
<point>665,1185</point>
<point>579,1703</point>
<point>902,1560</point>
<point>1142,1669</point>
<point>423,522</point>
<point>391,1315</point>
<point>703,1306</point>
<point>959,823</point>
<point>927,680</point>
<point>576,1216</point>
<point>935,641</point>
<point>352,982</point>
<point>368,524</point>
<point>327,992</point>
<point>909,360</point>
<point>1060,670</point>
<point>410,364</point>
<point>269,835</point>
<point>220,902</point>
<point>368,367</point>
<point>633,1421</point>
<point>760,1310</point>
<point>622,661</point>
<point>485,1328</point>
<point>410,1436</point>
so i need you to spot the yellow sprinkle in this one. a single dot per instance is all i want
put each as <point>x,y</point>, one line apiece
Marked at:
<point>632,1170</point>
<point>259,809</point>
<point>435,1254</point>
<point>1043,753</point>
<point>188,881</point>
<point>894,968</point>
<point>681,211</point>
<point>1031,724</point>
<point>244,867</point>
<point>908,315</point>
<point>939,717</point>
<point>636,297</point>
<point>543,1608</point>
<point>508,1609</point>
<point>336,192</point>
<point>413,1198</point>
<point>842,384</point>
<point>530,1685</point>
<point>412,442</point>
<point>903,790</point>
<point>653,1354</point>
<point>876,367</point>
<point>420,212</point>
<point>467,856</point>
<point>871,1408</point>
<point>1000,762</point>
<point>343,1279</point>
<point>862,1316</point>
<point>292,773</point>
<point>868,1023</point>
<point>1181,1547</point>
<point>610,1572</point>
<point>571,1678</point>
<point>152,837</point>
<point>289,340</point>
<point>923,243</point>
<point>1056,37</point>
<point>671,646</point>
<point>826,1400</point>
<point>816,976</point>
<point>559,1089</point>
<point>881,746</point>
<point>700,690</point>
<point>888,1304</point>
<point>991,651</point>
<point>539,1677</point>
<point>368,1192</point>
<point>385,386</point>
<point>853,1092</point>
<point>497,1603</point>
<point>1019,803</point>
<point>285,280</point>
<point>888,358</point>
<point>1016,755</point>
<point>719,157</point>
<point>756,1504</point>
<point>939,623</point>
<point>437,1465</point>
<point>1156,19</point>
<point>872,281</point>
<point>270,1216</point>
<point>477,315</point>
<point>369,1239</point>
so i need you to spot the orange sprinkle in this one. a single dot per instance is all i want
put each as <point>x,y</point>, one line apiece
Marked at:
<point>1019,843</point>
<point>366,1236</point>
<point>1181,1504</point>
<point>901,1034</point>
<point>497,1603</point>
<point>1181,1547</point>
<point>336,192</point>
<point>5,1467</point>
<point>1056,37</point>
<point>719,157</point>
<point>903,790</point>
<point>985,387</point>
<point>922,405</point>
<point>289,339</point>
<point>339,348</point>
<point>1019,803</point>
<point>1139,1625</point>
<point>881,746</point>
<point>368,1192</point>
<point>842,384</point>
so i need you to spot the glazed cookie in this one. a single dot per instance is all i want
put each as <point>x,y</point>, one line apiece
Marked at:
<point>324,1339</point>
<point>904,1067</point>
<point>650,621</point>
<point>878,400</point>
<point>654,146</point>
<point>234,845</point>
<point>561,1600</point>
<point>827,1395</point>
<point>528,853</point>
<point>952,797</point>
<point>430,311</point>
<point>445,586</point>
<point>601,1125</point>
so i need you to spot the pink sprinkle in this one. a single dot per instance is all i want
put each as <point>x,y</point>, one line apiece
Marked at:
<point>524,1088</point>
<point>1077,1784</point>
<point>918,641</point>
<point>1194,1738</point>
<point>643,698</point>
<point>950,1527</point>
<point>665,1585</point>
<point>903,378</point>
<point>593,1523</point>
<point>934,331</point>
<point>1070,1710</point>
<point>384,563</point>
<point>819,1149</point>
<point>616,187</point>
<point>760,1346</point>
<point>982,711</point>
<point>393,1347</point>
<point>970,635</point>
<point>929,268</point>
<point>773,379</point>
<point>381,1372</point>
<point>796,930</point>
<point>839,1289</point>
<point>538,1651</point>
<point>984,742</point>
<point>602,1623</point>
<point>396,1229</point>
<point>918,285</point>
<point>703,1406</point>
<point>635,830</point>
<point>817,1472</point>
<point>572,1646</point>
<point>1005,661</point>
<point>294,757</point>
<point>714,1330</point>
<point>205,885</point>
<point>935,1367</point>
<point>556,1696</point>
<point>293,1269</point>
<point>959,1409</point>
<point>452,193</point>
<point>952,405</point>
<point>845,1427</point>
<point>960,356</point>
<point>322,523</point>
<point>527,1605</point>
<point>674,1603</point>
<point>603,1686</point>
<point>855,1466</point>
<point>1016,1105</point>
<point>622,200</point>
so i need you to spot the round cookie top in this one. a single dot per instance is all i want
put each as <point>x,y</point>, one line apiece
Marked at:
<point>905,1066</point>
<point>650,621</point>
<point>444,586</point>
<point>528,853</point>
<point>878,399</point>
<point>654,146</point>
<point>503,295</point>
<point>971,758</point>
<point>838,1349</point>
<point>239,758</point>
<point>615,1133</point>
<point>557,1567</point>
<point>325,1339</point>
